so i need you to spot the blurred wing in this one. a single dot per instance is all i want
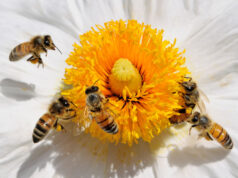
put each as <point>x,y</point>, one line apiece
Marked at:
<point>201,106</point>
<point>203,95</point>
<point>83,124</point>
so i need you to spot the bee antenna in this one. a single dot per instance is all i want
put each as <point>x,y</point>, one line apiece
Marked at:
<point>73,104</point>
<point>190,78</point>
<point>95,82</point>
<point>58,49</point>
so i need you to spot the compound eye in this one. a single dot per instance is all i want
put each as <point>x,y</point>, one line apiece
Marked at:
<point>47,43</point>
<point>94,88</point>
<point>64,102</point>
<point>87,91</point>
<point>191,88</point>
<point>195,119</point>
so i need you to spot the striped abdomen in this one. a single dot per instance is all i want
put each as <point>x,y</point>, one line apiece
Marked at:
<point>44,124</point>
<point>20,51</point>
<point>221,135</point>
<point>107,122</point>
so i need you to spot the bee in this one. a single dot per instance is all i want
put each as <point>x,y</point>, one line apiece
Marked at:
<point>191,99</point>
<point>95,108</point>
<point>210,130</point>
<point>35,46</point>
<point>61,109</point>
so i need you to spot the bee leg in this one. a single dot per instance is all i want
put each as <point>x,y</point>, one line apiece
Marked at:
<point>58,127</point>
<point>191,129</point>
<point>208,137</point>
<point>61,128</point>
<point>40,62</point>
<point>44,49</point>
<point>31,58</point>
<point>86,113</point>
<point>70,117</point>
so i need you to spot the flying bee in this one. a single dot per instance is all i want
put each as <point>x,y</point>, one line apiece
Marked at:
<point>191,99</point>
<point>35,46</point>
<point>61,109</point>
<point>95,108</point>
<point>210,130</point>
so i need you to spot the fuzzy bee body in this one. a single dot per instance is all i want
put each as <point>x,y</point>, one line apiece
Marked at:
<point>105,121</point>
<point>35,46</point>
<point>59,110</point>
<point>191,99</point>
<point>210,130</point>
<point>96,110</point>
<point>21,51</point>
<point>43,126</point>
<point>221,135</point>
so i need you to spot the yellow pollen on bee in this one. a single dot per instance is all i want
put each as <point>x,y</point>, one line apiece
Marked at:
<point>58,128</point>
<point>124,74</point>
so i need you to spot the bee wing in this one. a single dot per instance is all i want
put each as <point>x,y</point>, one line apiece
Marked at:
<point>203,95</point>
<point>201,106</point>
<point>83,124</point>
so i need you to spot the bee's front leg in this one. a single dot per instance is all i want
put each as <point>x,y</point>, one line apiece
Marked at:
<point>44,49</point>
<point>191,128</point>
<point>40,62</point>
<point>58,127</point>
<point>71,113</point>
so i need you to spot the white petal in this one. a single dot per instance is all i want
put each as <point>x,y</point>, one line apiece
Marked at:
<point>26,90</point>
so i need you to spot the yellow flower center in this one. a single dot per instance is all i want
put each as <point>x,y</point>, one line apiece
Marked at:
<point>137,71</point>
<point>124,76</point>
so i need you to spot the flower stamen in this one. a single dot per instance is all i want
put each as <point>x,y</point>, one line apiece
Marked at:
<point>124,76</point>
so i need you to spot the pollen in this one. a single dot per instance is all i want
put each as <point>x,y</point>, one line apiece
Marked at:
<point>136,70</point>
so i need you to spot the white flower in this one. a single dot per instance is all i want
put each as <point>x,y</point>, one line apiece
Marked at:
<point>208,30</point>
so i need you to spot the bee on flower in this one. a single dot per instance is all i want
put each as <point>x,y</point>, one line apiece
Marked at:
<point>138,72</point>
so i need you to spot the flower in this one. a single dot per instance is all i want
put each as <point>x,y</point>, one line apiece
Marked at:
<point>206,30</point>
<point>139,73</point>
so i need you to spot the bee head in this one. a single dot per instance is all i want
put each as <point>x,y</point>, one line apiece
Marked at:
<point>195,118</point>
<point>63,101</point>
<point>91,89</point>
<point>189,86</point>
<point>48,42</point>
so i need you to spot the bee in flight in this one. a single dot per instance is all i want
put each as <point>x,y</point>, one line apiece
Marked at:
<point>95,108</point>
<point>191,99</point>
<point>35,46</point>
<point>62,109</point>
<point>210,130</point>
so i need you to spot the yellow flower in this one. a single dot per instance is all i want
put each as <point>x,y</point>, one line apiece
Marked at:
<point>138,72</point>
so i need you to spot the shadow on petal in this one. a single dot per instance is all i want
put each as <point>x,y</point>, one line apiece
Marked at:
<point>84,156</point>
<point>20,91</point>
<point>196,156</point>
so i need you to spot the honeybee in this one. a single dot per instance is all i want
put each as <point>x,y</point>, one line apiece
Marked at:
<point>95,108</point>
<point>61,109</point>
<point>210,130</point>
<point>191,99</point>
<point>35,46</point>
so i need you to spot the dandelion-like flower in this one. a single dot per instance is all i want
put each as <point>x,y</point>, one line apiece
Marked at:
<point>206,29</point>
<point>139,73</point>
